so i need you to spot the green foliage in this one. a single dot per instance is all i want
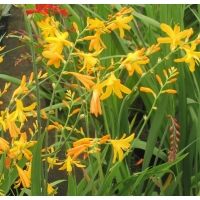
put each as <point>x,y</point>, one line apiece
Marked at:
<point>144,109</point>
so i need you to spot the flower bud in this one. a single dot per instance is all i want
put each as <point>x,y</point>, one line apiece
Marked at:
<point>177,126</point>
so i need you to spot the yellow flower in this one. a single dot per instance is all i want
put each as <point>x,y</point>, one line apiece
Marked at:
<point>96,42</point>
<point>23,178</point>
<point>54,58</point>
<point>20,148</point>
<point>68,164</point>
<point>97,25</point>
<point>52,161</point>
<point>50,189</point>
<point>11,126</point>
<point>49,26</point>
<point>104,139</point>
<point>1,59</point>
<point>121,144</point>
<point>95,105</point>
<point>121,24</point>
<point>134,60</point>
<point>79,148</point>
<point>85,79</point>
<point>113,85</point>
<point>4,145</point>
<point>124,11</point>
<point>19,113</point>
<point>175,35</point>
<point>58,41</point>
<point>89,60</point>
<point>191,56</point>
<point>22,89</point>
<point>2,121</point>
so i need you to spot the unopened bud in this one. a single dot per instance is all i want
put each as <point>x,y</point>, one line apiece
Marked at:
<point>83,102</point>
<point>53,85</point>
<point>171,136</point>
<point>177,126</point>
<point>38,59</point>
<point>170,128</point>
<point>82,116</point>
<point>75,27</point>
<point>159,60</point>
<point>177,133</point>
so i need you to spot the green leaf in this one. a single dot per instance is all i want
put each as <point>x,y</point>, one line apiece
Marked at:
<point>36,172</point>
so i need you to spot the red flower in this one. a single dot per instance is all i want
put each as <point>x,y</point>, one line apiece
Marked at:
<point>40,8</point>
<point>45,9</point>
<point>56,10</point>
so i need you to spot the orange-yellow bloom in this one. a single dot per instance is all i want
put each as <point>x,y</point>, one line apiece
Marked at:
<point>11,126</point>
<point>89,60</point>
<point>104,139</point>
<point>175,35</point>
<point>52,161</point>
<point>68,164</point>
<point>21,147</point>
<point>119,145</point>
<point>54,58</point>
<point>58,41</point>
<point>48,26</point>
<point>121,24</point>
<point>97,25</point>
<point>95,105</point>
<point>19,113</point>
<point>85,79</point>
<point>190,32</point>
<point>4,145</point>
<point>191,56</point>
<point>22,89</point>
<point>124,11</point>
<point>134,60</point>
<point>2,121</point>
<point>23,178</point>
<point>1,59</point>
<point>77,150</point>
<point>50,189</point>
<point>96,42</point>
<point>113,85</point>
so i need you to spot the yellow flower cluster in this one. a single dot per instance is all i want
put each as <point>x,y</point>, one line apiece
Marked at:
<point>91,146</point>
<point>175,39</point>
<point>12,120</point>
